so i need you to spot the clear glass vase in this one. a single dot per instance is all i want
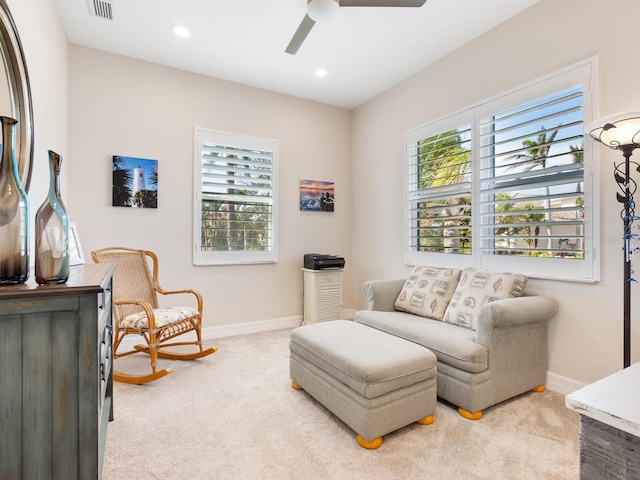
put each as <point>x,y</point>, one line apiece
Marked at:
<point>14,212</point>
<point>52,231</point>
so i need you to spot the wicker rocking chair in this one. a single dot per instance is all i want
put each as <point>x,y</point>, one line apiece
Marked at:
<point>136,311</point>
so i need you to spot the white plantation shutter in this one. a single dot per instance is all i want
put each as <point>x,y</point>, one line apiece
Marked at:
<point>439,189</point>
<point>528,202</point>
<point>235,214</point>
<point>532,174</point>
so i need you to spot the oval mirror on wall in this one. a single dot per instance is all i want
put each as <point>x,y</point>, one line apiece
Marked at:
<point>15,93</point>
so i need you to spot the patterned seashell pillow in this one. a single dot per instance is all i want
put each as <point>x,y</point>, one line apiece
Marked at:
<point>428,291</point>
<point>478,287</point>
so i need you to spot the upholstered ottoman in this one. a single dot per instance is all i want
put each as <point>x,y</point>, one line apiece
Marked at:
<point>374,382</point>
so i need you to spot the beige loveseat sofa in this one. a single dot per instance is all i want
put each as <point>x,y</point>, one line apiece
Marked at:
<point>490,340</point>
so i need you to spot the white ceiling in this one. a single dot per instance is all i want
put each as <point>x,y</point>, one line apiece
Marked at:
<point>364,50</point>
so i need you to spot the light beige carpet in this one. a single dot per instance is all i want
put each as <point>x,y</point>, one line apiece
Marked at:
<point>234,415</point>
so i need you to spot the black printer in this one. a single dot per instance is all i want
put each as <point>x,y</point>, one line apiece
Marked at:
<point>318,261</point>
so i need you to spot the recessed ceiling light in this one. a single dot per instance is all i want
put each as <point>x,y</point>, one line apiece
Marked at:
<point>180,31</point>
<point>321,72</point>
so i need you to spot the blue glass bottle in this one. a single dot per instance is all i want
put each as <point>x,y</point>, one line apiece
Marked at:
<point>52,231</point>
<point>14,212</point>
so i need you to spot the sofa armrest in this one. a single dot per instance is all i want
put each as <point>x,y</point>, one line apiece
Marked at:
<point>382,294</point>
<point>513,312</point>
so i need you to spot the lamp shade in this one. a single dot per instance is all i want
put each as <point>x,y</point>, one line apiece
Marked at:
<point>619,131</point>
<point>323,10</point>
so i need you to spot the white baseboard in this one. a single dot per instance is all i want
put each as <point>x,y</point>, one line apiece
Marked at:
<point>562,385</point>
<point>211,333</point>
<point>555,383</point>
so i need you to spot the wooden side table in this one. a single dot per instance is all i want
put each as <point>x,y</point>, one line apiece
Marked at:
<point>609,426</point>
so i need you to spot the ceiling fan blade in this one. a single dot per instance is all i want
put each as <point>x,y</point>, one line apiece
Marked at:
<point>382,3</point>
<point>301,33</point>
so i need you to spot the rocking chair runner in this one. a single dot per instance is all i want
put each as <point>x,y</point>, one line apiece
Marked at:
<point>136,311</point>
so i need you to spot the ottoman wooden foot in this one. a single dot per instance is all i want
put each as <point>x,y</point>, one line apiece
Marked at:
<point>427,420</point>
<point>295,386</point>
<point>372,445</point>
<point>538,389</point>
<point>470,416</point>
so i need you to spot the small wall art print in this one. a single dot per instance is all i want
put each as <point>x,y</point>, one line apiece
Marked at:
<point>135,182</point>
<point>76,257</point>
<point>317,196</point>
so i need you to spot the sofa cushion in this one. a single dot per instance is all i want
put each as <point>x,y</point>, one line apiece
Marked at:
<point>428,291</point>
<point>451,344</point>
<point>478,287</point>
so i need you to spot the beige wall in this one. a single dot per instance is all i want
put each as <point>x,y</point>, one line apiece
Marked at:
<point>38,25</point>
<point>586,337</point>
<point>122,106</point>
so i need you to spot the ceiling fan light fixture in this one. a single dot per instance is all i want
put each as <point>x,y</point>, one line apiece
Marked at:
<point>323,10</point>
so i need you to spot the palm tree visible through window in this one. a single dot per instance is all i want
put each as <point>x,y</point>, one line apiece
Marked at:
<point>536,156</point>
<point>444,167</point>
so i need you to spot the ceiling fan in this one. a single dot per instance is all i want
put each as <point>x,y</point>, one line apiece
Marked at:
<point>325,10</point>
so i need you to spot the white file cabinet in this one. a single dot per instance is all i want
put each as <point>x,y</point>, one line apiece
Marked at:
<point>322,295</point>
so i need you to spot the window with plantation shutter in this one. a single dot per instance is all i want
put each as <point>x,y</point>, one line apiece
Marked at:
<point>515,189</point>
<point>235,217</point>
<point>532,179</point>
<point>439,189</point>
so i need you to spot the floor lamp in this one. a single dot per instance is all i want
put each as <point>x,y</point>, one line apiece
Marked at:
<point>622,132</point>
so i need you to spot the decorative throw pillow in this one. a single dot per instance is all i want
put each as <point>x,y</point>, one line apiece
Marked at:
<point>428,291</point>
<point>477,287</point>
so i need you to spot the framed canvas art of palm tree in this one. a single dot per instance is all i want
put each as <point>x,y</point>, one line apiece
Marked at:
<point>135,182</point>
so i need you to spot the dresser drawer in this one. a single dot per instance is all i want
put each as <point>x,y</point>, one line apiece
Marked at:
<point>105,352</point>
<point>329,279</point>
<point>104,300</point>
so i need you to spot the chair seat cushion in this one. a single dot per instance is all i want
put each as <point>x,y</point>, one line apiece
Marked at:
<point>164,317</point>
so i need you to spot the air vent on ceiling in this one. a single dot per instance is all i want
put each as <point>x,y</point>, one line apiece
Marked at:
<point>101,8</point>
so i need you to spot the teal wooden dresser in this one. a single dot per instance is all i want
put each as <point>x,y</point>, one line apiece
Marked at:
<point>56,381</point>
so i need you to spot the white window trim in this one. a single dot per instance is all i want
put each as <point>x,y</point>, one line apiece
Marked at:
<point>587,270</point>
<point>449,260</point>
<point>204,136</point>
